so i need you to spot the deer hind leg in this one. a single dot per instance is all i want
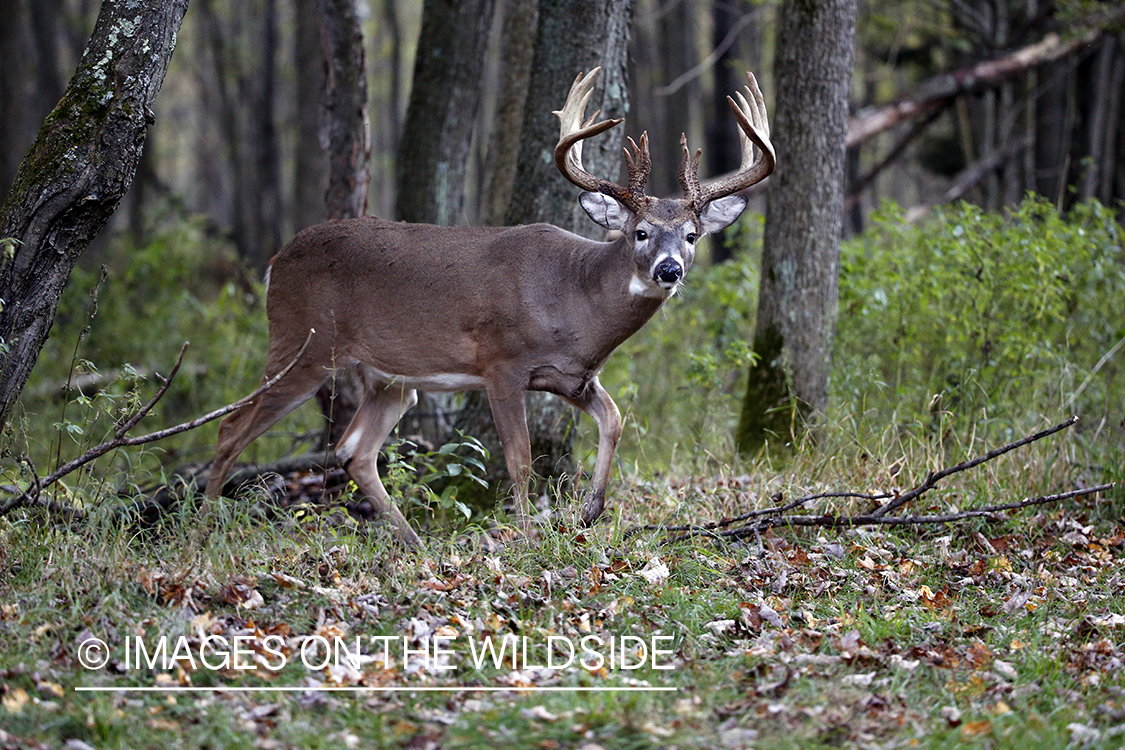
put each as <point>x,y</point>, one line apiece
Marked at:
<point>358,450</point>
<point>509,412</point>
<point>597,403</point>
<point>242,427</point>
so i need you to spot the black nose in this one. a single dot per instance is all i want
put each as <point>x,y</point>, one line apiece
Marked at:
<point>669,272</point>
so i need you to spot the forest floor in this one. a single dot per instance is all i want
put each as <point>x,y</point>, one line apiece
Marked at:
<point>995,632</point>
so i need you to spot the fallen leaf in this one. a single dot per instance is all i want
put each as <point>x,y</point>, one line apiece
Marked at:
<point>655,572</point>
<point>15,701</point>
<point>539,712</point>
<point>976,728</point>
<point>951,714</point>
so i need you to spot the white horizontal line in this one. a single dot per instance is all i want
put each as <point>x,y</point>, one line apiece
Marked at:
<point>361,689</point>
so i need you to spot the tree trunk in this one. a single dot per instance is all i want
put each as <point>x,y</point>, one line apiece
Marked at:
<point>722,151</point>
<point>572,37</point>
<point>677,30</point>
<point>438,134</point>
<point>518,40</point>
<point>17,130</point>
<point>243,53</point>
<point>79,168</point>
<point>311,167</point>
<point>796,320</point>
<point>345,108</point>
<point>349,149</point>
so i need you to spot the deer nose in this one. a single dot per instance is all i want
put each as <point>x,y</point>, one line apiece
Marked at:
<point>669,271</point>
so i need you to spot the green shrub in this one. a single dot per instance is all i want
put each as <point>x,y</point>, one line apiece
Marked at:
<point>984,318</point>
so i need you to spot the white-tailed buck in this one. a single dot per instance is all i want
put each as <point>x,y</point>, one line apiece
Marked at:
<point>504,309</point>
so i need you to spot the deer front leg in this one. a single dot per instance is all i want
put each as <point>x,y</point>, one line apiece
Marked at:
<point>359,449</point>
<point>509,412</point>
<point>597,403</point>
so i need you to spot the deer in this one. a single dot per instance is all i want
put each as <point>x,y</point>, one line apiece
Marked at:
<point>503,309</point>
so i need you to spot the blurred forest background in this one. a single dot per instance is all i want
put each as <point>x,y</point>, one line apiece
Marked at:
<point>967,319</point>
<point>237,138</point>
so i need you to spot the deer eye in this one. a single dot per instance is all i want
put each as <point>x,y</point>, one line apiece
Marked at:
<point>691,238</point>
<point>641,235</point>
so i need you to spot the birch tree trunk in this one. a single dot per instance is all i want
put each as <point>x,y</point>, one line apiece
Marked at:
<point>82,163</point>
<point>796,321</point>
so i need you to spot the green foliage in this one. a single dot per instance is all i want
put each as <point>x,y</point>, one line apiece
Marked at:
<point>120,327</point>
<point>432,480</point>
<point>983,315</point>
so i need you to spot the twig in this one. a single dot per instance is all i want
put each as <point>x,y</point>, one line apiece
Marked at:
<point>774,516</point>
<point>934,477</point>
<point>31,495</point>
<point>873,520</point>
<point>695,528</point>
<point>1101,362</point>
<point>710,60</point>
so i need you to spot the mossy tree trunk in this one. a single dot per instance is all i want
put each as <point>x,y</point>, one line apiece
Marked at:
<point>80,166</point>
<point>796,322</point>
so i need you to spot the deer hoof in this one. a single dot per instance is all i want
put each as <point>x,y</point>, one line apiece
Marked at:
<point>593,507</point>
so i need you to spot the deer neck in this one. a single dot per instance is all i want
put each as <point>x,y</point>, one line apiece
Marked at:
<point>609,282</point>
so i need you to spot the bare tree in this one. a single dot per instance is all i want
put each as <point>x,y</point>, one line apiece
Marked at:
<point>82,162</point>
<point>518,44</point>
<point>30,79</point>
<point>796,320</point>
<point>243,51</point>
<point>728,19</point>
<point>311,162</point>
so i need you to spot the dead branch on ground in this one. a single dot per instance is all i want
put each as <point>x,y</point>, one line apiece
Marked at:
<point>766,518</point>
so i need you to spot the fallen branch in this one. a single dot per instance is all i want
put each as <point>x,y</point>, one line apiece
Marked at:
<point>183,484</point>
<point>767,518</point>
<point>968,177</point>
<point>32,496</point>
<point>938,91</point>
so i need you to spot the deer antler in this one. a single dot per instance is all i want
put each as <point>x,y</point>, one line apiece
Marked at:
<point>568,152</point>
<point>754,131</point>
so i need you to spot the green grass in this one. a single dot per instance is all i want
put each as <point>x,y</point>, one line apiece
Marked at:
<point>880,632</point>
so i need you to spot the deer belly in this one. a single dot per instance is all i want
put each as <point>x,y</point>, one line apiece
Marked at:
<point>435,382</point>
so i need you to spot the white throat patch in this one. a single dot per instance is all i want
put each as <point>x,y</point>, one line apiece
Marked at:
<point>638,287</point>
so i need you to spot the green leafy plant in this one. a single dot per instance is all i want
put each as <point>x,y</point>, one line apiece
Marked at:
<point>431,480</point>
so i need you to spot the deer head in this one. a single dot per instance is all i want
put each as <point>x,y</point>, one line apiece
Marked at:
<point>662,232</point>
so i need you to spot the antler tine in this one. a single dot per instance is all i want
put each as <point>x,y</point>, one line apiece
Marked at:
<point>754,130</point>
<point>639,164</point>
<point>689,172</point>
<point>574,129</point>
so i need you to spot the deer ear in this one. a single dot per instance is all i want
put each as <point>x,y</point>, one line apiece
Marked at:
<point>604,210</point>
<point>721,213</point>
